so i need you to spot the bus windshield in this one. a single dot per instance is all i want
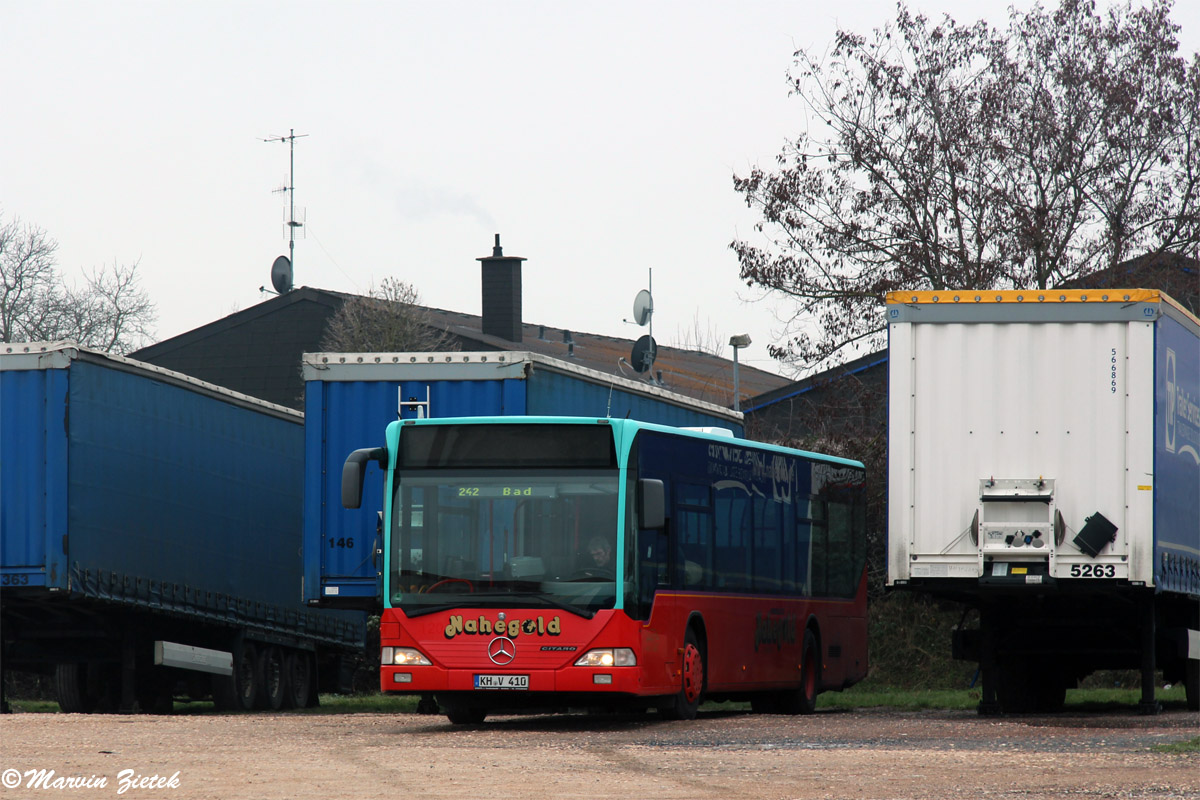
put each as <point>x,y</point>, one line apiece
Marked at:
<point>503,537</point>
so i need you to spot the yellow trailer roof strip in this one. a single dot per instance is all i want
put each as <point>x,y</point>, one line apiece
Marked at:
<point>951,296</point>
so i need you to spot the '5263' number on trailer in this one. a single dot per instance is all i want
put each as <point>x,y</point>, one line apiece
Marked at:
<point>1093,571</point>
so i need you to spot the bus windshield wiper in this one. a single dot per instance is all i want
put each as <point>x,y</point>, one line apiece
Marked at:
<point>564,605</point>
<point>502,598</point>
<point>420,611</point>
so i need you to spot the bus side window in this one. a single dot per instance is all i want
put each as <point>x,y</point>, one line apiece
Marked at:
<point>819,549</point>
<point>789,545</point>
<point>692,535</point>
<point>843,580</point>
<point>735,523</point>
<point>652,568</point>
<point>767,545</point>
<point>693,548</point>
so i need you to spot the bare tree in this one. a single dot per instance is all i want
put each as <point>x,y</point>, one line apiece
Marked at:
<point>28,274</point>
<point>955,157</point>
<point>109,312</point>
<point>701,337</point>
<point>388,319</point>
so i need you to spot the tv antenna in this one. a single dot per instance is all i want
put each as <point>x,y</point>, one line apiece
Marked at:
<point>291,192</point>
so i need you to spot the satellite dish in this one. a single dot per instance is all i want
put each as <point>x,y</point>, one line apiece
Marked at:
<point>644,353</point>
<point>281,275</point>
<point>643,307</point>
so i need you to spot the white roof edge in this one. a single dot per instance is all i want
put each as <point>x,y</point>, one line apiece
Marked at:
<point>59,355</point>
<point>455,365</point>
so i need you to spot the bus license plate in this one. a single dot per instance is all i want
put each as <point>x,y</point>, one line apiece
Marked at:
<point>502,682</point>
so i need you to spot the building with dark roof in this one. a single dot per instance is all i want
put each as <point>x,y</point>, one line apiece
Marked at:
<point>257,351</point>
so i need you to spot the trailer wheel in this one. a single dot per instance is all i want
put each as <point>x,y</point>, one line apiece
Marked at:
<point>1013,691</point>
<point>1028,687</point>
<point>241,690</point>
<point>1191,684</point>
<point>274,678</point>
<point>71,689</point>
<point>299,675</point>
<point>1050,695</point>
<point>155,692</point>
<point>247,680</point>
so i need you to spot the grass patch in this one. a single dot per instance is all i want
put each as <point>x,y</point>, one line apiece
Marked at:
<point>1189,746</point>
<point>34,706</point>
<point>873,695</point>
<point>903,699</point>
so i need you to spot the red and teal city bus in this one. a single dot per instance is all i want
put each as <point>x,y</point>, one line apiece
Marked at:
<point>534,563</point>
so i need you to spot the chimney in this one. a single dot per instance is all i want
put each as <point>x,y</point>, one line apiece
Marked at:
<point>502,294</point>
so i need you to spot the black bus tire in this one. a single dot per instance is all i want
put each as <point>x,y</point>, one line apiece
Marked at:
<point>459,713</point>
<point>803,700</point>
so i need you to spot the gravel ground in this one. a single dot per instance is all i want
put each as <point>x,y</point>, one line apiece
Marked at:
<point>832,754</point>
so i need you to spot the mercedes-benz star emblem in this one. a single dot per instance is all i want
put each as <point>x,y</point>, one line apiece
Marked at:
<point>502,650</point>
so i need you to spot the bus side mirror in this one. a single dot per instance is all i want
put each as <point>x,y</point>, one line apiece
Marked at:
<point>354,471</point>
<point>651,503</point>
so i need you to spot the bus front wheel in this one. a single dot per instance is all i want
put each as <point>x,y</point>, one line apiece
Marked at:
<point>462,714</point>
<point>686,703</point>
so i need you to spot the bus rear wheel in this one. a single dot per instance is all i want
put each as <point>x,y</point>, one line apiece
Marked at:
<point>686,703</point>
<point>804,699</point>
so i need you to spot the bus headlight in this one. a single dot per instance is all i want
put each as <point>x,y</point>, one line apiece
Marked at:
<point>403,657</point>
<point>608,657</point>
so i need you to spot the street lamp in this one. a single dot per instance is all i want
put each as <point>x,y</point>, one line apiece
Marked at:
<point>737,343</point>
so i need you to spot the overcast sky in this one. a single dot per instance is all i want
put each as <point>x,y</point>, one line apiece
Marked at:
<point>598,139</point>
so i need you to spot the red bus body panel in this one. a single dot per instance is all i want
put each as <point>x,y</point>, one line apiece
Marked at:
<point>752,642</point>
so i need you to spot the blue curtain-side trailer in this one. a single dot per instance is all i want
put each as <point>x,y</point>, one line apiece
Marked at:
<point>150,532</point>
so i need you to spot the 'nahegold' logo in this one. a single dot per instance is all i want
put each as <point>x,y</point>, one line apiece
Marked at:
<point>482,626</point>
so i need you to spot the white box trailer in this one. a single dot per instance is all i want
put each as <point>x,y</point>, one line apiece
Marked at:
<point>1044,467</point>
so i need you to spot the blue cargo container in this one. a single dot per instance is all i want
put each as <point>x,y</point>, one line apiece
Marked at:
<point>350,399</point>
<point>150,531</point>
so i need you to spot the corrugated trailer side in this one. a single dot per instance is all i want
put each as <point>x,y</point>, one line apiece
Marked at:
<point>144,509</point>
<point>350,399</point>
<point>1177,462</point>
<point>33,477</point>
<point>1029,478</point>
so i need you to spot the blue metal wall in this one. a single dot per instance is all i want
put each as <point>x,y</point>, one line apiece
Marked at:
<point>343,416</point>
<point>555,394</point>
